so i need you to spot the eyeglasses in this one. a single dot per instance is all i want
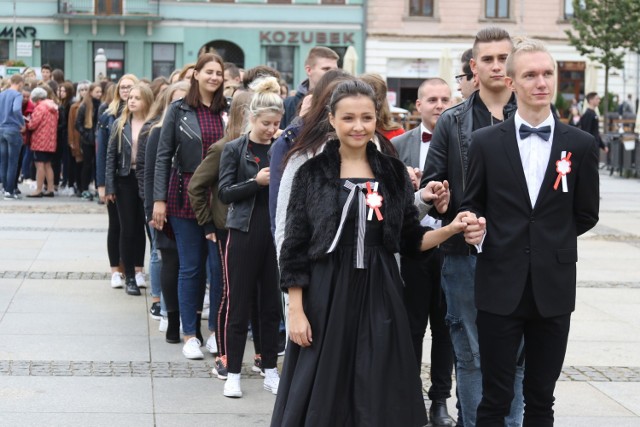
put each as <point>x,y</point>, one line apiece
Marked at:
<point>125,87</point>
<point>460,76</point>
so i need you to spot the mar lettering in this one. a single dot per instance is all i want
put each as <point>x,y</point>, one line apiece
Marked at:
<point>21,32</point>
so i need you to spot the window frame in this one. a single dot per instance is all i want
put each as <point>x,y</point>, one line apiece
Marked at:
<point>433,9</point>
<point>163,61</point>
<point>47,60</point>
<point>496,4</point>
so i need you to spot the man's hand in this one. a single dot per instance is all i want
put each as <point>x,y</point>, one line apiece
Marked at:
<point>109,198</point>
<point>437,193</point>
<point>476,229</point>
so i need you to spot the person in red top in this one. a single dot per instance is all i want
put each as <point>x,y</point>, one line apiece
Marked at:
<point>44,127</point>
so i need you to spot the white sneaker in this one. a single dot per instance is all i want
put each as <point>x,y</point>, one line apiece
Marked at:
<point>232,386</point>
<point>116,280</point>
<point>271,380</point>
<point>191,349</point>
<point>212,345</point>
<point>140,280</point>
<point>164,324</point>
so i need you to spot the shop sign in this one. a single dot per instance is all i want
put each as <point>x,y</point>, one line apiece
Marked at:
<point>309,37</point>
<point>9,71</point>
<point>21,32</point>
<point>24,49</point>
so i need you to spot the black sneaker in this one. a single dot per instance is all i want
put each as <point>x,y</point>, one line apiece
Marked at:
<point>257,365</point>
<point>154,311</point>
<point>219,368</point>
<point>130,286</point>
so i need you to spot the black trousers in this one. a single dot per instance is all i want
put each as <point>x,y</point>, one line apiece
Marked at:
<point>113,234</point>
<point>169,277</point>
<point>88,158</point>
<point>132,223</point>
<point>545,345</point>
<point>424,301</point>
<point>221,310</point>
<point>251,268</point>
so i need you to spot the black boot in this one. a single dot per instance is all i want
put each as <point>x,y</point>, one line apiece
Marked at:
<point>173,327</point>
<point>130,286</point>
<point>439,415</point>
<point>198,324</point>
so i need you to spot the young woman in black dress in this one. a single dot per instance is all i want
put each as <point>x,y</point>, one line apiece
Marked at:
<point>351,208</point>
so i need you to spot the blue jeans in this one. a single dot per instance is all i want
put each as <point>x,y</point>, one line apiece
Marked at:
<point>192,254</point>
<point>458,278</point>
<point>155,271</point>
<point>215,291</point>
<point>27,162</point>
<point>10,145</point>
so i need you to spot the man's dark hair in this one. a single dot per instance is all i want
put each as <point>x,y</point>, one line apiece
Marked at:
<point>591,95</point>
<point>487,35</point>
<point>259,71</point>
<point>464,59</point>
<point>320,52</point>
<point>46,67</point>
<point>234,71</point>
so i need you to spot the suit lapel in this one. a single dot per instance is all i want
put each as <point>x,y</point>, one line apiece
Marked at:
<point>414,142</point>
<point>559,144</point>
<point>513,154</point>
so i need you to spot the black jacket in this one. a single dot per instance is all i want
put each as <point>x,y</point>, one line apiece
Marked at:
<point>141,158</point>
<point>87,136</point>
<point>448,159</point>
<point>180,146</point>
<point>590,123</point>
<point>237,185</point>
<point>118,156</point>
<point>314,211</point>
<point>291,104</point>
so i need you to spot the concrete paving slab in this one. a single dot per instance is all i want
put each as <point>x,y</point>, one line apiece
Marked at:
<point>15,265</point>
<point>602,330</point>
<point>582,399</point>
<point>255,401</point>
<point>20,254</point>
<point>98,324</point>
<point>626,394</point>
<point>597,422</point>
<point>605,261</point>
<point>21,244</point>
<point>8,290</point>
<point>12,419</point>
<point>598,297</point>
<point>94,346</point>
<point>602,353</point>
<point>235,420</point>
<point>75,394</point>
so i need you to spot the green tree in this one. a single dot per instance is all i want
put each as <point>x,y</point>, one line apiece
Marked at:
<point>603,31</point>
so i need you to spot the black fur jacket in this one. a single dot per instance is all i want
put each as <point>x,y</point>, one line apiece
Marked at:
<point>314,211</point>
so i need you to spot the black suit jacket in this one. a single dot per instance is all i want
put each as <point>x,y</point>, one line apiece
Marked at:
<point>522,239</point>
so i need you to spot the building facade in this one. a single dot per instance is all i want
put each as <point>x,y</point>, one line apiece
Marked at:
<point>409,40</point>
<point>153,37</point>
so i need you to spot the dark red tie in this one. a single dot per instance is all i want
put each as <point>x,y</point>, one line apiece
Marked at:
<point>426,136</point>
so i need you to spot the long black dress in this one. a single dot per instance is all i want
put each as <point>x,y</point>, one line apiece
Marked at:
<point>360,368</point>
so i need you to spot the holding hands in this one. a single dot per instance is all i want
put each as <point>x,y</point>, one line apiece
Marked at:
<point>475,228</point>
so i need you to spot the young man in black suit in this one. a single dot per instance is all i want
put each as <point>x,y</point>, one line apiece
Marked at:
<point>535,180</point>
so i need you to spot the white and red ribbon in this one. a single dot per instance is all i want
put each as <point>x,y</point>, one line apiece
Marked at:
<point>563,167</point>
<point>374,201</point>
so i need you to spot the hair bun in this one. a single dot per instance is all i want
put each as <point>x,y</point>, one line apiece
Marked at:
<point>265,84</point>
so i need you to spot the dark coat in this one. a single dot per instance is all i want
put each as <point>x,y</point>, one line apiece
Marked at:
<point>522,240</point>
<point>314,211</point>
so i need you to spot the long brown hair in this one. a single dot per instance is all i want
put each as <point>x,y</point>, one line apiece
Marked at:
<point>88,106</point>
<point>385,121</point>
<point>68,88</point>
<point>147,98</point>
<point>219,102</point>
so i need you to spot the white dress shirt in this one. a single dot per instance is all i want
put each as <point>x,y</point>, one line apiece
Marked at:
<point>534,153</point>
<point>424,146</point>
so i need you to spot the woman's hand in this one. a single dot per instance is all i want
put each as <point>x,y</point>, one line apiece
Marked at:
<point>101,194</point>
<point>413,176</point>
<point>109,198</point>
<point>461,221</point>
<point>299,327</point>
<point>263,177</point>
<point>159,213</point>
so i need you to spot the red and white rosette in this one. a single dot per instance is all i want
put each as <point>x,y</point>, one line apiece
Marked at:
<point>563,167</point>
<point>374,201</point>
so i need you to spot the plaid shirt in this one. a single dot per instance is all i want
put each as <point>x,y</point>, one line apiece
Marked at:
<point>212,130</point>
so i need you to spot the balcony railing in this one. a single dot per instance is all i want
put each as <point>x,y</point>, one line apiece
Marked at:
<point>109,7</point>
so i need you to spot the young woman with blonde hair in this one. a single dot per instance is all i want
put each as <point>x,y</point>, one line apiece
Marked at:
<point>121,182</point>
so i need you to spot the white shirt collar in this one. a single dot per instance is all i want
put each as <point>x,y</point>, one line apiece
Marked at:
<point>423,129</point>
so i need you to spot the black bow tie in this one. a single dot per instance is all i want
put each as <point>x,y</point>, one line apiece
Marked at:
<point>544,132</point>
<point>426,136</point>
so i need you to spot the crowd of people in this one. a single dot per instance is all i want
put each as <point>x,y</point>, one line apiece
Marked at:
<point>272,213</point>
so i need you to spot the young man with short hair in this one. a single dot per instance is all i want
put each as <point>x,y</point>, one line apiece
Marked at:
<point>590,121</point>
<point>492,103</point>
<point>45,70</point>
<point>320,60</point>
<point>533,181</point>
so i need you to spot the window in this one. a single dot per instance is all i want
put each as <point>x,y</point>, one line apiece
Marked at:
<point>52,53</point>
<point>420,7</point>
<point>114,51</point>
<point>568,8</point>
<point>4,50</point>
<point>497,9</point>
<point>108,7</point>
<point>163,60</point>
<point>282,59</point>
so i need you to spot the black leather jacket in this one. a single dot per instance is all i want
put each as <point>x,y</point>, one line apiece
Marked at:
<point>237,184</point>
<point>118,156</point>
<point>448,159</point>
<point>180,146</point>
